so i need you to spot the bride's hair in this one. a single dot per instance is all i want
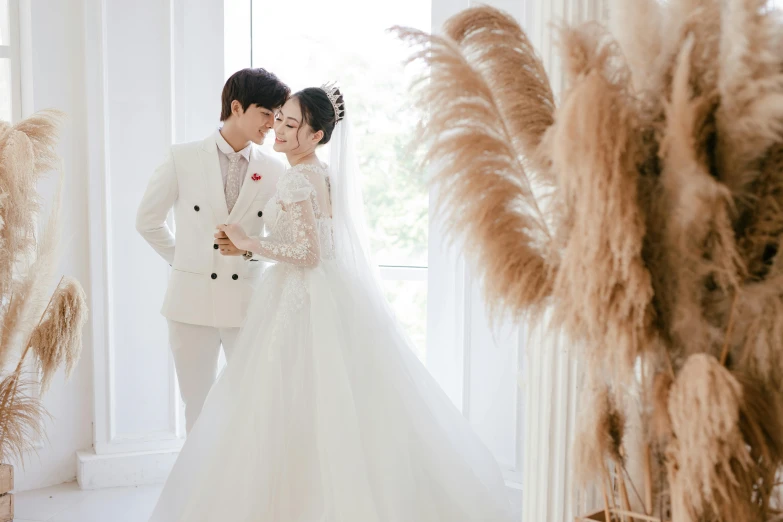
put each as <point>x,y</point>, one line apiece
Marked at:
<point>318,111</point>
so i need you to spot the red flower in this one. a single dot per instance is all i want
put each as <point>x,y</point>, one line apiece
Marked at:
<point>255,177</point>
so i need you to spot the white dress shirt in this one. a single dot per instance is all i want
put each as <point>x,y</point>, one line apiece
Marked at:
<point>224,149</point>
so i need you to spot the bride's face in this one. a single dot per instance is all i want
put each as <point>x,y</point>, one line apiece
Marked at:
<point>291,134</point>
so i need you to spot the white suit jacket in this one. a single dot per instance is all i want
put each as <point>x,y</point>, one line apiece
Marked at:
<point>205,287</point>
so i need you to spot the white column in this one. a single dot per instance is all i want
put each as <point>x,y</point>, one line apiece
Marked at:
<point>551,381</point>
<point>144,89</point>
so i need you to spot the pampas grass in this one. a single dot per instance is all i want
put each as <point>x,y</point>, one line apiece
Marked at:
<point>750,116</point>
<point>602,285</point>
<point>657,239</point>
<point>57,340</point>
<point>637,25</point>
<point>30,320</point>
<point>763,222</point>
<point>709,459</point>
<point>599,434</point>
<point>28,296</point>
<point>21,418</point>
<point>27,153</point>
<point>507,61</point>
<point>699,234</point>
<point>477,158</point>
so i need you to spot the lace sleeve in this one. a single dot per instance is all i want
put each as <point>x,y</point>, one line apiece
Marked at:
<point>300,246</point>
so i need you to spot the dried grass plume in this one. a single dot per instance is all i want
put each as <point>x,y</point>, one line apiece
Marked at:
<point>28,261</point>
<point>57,340</point>
<point>645,210</point>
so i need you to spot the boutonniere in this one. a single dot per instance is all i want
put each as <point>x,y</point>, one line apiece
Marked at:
<point>256,177</point>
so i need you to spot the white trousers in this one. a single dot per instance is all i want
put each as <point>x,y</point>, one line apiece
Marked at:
<point>196,350</point>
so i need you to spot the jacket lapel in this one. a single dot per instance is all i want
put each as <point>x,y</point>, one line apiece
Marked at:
<point>213,180</point>
<point>250,187</point>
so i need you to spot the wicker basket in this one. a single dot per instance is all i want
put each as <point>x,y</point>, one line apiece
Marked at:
<point>6,497</point>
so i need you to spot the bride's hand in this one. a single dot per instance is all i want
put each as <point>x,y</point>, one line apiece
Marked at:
<point>237,235</point>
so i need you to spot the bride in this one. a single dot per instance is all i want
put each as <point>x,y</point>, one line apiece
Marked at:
<point>325,414</point>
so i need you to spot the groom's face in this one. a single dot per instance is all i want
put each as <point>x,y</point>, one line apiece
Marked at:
<point>255,123</point>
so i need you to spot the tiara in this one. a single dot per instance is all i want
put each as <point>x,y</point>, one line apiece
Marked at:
<point>331,92</point>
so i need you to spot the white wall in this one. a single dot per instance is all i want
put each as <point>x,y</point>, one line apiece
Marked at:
<point>57,65</point>
<point>156,71</point>
<point>198,59</point>
<point>117,67</point>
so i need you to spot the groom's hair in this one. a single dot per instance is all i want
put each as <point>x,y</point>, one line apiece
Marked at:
<point>253,86</point>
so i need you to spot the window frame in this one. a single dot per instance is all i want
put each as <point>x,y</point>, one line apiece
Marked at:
<point>388,272</point>
<point>12,51</point>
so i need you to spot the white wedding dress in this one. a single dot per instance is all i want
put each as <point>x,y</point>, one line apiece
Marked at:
<point>324,414</point>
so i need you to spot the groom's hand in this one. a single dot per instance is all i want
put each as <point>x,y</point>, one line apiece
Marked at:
<point>225,245</point>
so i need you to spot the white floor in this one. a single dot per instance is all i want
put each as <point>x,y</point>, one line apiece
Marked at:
<point>68,503</point>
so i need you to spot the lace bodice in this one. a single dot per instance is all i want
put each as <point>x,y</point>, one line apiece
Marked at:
<point>298,218</point>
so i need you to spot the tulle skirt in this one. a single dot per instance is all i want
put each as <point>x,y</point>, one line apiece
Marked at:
<point>324,414</point>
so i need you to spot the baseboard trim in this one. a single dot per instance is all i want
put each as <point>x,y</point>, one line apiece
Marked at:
<point>123,469</point>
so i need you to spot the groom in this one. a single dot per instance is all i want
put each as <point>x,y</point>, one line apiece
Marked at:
<point>223,179</point>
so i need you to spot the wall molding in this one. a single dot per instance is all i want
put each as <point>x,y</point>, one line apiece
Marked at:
<point>96,471</point>
<point>107,439</point>
<point>99,215</point>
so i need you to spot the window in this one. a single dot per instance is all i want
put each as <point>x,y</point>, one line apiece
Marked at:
<point>312,42</point>
<point>434,295</point>
<point>10,91</point>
